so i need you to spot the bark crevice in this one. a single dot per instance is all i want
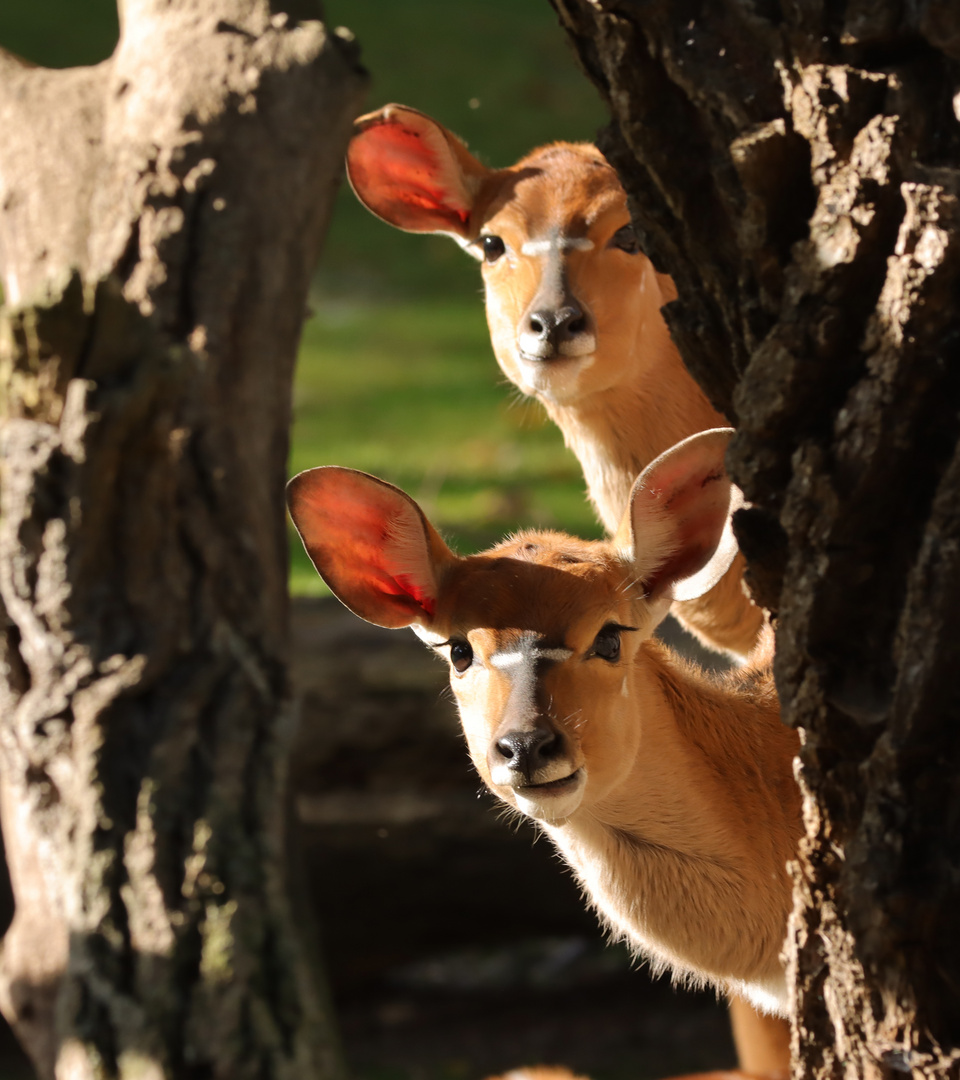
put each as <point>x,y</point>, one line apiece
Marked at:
<point>814,246</point>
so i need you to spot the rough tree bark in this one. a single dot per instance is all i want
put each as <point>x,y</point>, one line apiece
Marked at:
<point>796,167</point>
<point>160,216</point>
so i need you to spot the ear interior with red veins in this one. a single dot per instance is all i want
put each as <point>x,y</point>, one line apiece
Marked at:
<point>678,525</point>
<point>413,173</point>
<point>370,543</point>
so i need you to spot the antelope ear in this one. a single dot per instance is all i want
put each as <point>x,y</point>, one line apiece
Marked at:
<point>678,523</point>
<point>413,173</point>
<point>370,543</point>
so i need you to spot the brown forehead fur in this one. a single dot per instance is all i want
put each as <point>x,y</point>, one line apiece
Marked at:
<point>539,581</point>
<point>556,155</point>
<point>554,178</point>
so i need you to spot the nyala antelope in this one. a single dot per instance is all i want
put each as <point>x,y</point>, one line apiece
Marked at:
<point>573,307</point>
<point>671,795</point>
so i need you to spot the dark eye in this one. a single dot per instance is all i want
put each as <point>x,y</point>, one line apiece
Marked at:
<point>626,240</point>
<point>461,655</point>
<point>606,645</point>
<point>493,248</point>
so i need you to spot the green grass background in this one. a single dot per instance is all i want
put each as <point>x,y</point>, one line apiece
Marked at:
<point>396,375</point>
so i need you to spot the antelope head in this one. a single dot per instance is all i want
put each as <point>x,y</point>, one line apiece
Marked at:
<point>541,632</point>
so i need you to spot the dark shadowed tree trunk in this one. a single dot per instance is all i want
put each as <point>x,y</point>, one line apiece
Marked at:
<point>796,167</point>
<point>160,216</point>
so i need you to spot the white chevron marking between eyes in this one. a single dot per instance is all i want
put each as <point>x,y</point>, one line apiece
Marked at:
<point>520,667</point>
<point>565,243</point>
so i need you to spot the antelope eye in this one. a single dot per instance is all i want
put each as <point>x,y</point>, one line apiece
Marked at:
<point>493,248</point>
<point>461,655</point>
<point>626,240</point>
<point>606,645</point>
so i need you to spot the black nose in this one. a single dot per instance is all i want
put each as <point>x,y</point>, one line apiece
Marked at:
<point>548,328</point>
<point>527,751</point>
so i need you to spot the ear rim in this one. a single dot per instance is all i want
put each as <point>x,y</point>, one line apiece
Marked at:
<point>464,171</point>
<point>393,609</point>
<point>648,514</point>
<point>727,549</point>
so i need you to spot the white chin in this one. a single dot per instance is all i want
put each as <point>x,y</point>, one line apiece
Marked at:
<point>551,806</point>
<point>554,380</point>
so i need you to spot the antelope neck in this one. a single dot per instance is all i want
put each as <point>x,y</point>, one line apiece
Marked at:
<point>611,436</point>
<point>684,844</point>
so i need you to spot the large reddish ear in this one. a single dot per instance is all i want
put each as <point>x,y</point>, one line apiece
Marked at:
<point>677,526</point>
<point>370,543</point>
<point>413,173</point>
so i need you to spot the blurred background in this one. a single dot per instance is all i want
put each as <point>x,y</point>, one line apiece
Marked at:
<point>456,946</point>
<point>396,374</point>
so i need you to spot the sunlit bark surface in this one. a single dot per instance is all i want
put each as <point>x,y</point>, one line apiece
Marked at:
<point>160,215</point>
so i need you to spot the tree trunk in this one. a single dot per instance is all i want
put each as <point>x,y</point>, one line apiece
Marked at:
<point>160,216</point>
<point>796,167</point>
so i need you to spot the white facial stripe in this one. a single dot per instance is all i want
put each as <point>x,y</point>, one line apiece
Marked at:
<point>509,659</point>
<point>520,667</point>
<point>560,243</point>
<point>506,659</point>
<point>555,654</point>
